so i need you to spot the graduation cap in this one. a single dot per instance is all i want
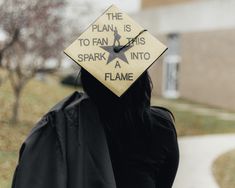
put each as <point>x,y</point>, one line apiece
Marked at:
<point>115,50</point>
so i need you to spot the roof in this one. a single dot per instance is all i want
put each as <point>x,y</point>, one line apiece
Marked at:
<point>188,17</point>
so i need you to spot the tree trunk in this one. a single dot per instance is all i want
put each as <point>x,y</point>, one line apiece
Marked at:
<point>15,107</point>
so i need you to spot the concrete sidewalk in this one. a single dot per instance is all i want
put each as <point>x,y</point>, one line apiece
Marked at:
<point>197,154</point>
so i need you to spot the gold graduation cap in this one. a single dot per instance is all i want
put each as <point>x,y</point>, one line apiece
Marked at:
<point>115,50</point>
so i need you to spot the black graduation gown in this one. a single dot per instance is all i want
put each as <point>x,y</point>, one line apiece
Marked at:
<point>145,156</point>
<point>68,148</point>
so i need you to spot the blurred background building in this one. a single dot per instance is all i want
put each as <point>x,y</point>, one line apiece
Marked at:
<point>199,64</point>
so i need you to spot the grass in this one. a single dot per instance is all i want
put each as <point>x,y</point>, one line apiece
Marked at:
<point>224,170</point>
<point>7,161</point>
<point>38,97</point>
<point>191,123</point>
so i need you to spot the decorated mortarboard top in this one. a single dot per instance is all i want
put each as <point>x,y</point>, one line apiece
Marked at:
<point>115,50</point>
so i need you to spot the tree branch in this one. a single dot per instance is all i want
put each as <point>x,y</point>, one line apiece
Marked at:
<point>13,40</point>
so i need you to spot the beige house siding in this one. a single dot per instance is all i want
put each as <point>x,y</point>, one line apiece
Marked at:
<point>156,74</point>
<point>207,70</point>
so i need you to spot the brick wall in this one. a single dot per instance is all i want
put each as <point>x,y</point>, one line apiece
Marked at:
<point>156,72</point>
<point>207,71</point>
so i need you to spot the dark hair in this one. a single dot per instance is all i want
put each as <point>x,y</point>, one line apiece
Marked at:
<point>129,109</point>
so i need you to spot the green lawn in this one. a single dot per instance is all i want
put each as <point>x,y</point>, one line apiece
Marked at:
<point>224,170</point>
<point>38,97</point>
<point>191,123</point>
<point>8,162</point>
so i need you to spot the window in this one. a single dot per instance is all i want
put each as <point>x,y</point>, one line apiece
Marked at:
<point>171,64</point>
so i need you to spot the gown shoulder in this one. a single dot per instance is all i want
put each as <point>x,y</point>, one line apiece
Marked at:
<point>163,118</point>
<point>165,144</point>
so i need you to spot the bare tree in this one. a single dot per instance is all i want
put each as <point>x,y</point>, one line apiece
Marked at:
<point>35,35</point>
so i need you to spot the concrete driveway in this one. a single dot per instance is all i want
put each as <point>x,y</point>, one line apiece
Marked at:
<point>197,154</point>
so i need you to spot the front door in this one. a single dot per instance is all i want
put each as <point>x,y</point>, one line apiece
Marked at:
<point>170,76</point>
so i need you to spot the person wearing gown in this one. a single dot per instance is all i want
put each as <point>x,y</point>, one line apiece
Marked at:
<point>98,140</point>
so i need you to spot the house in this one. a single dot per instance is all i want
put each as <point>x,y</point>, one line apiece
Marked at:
<point>200,62</point>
